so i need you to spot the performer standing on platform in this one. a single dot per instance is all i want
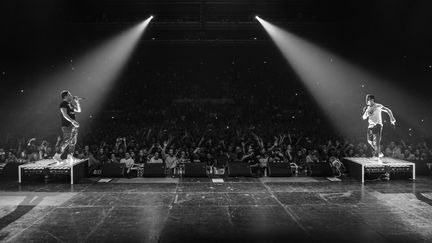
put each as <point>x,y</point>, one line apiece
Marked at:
<point>68,107</point>
<point>373,112</point>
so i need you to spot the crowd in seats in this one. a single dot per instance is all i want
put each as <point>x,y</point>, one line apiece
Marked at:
<point>216,148</point>
<point>168,117</point>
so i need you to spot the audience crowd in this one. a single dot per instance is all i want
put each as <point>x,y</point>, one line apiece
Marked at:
<point>214,134</point>
<point>228,122</point>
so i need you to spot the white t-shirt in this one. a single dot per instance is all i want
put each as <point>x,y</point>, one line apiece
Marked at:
<point>129,162</point>
<point>170,160</point>
<point>376,117</point>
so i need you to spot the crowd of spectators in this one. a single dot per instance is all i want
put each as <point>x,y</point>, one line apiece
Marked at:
<point>186,141</point>
<point>239,118</point>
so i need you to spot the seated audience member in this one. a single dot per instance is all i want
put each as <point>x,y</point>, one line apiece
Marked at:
<point>156,158</point>
<point>221,159</point>
<point>44,151</point>
<point>33,157</point>
<point>142,157</point>
<point>101,156</point>
<point>133,154</point>
<point>129,162</point>
<point>183,158</point>
<point>113,159</point>
<point>2,156</point>
<point>263,159</point>
<point>171,161</point>
<point>299,159</point>
<point>196,158</point>
<point>312,157</point>
<point>337,166</point>
<point>31,149</point>
<point>23,158</point>
<point>10,158</point>
<point>49,153</point>
<point>276,156</point>
<point>397,152</point>
<point>93,163</point>
<point>408,155</point>
<point>252,160</point>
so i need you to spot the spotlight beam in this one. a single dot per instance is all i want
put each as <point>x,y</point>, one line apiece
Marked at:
<point>337,85</point>
<point>91,75</point>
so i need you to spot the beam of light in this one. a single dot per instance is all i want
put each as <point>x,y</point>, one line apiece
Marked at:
<point>91,75</point>
<point>338,86</point>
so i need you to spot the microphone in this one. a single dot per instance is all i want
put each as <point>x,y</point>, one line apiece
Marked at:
<point>79,98</point>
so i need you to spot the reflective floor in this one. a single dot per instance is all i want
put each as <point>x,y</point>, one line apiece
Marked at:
<point>198,210</point>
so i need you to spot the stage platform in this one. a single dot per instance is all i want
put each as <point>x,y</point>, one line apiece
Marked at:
<point>360,168</point>
<point>47,168</point>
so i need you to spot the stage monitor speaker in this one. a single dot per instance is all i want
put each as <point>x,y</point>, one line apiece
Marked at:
<point>10,171</point>
<point>320,169</point>
<point>154,170</point>
<point>239,169</point>
<point>421,168</point>
<point>195,170</point>
<point>113,169</point>
<point>279,169</point>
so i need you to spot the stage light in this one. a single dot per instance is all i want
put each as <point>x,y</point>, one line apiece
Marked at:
<point>257,17</point>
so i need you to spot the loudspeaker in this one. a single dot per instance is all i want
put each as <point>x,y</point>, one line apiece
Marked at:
<point>279,169</point>
<point>322,169</point>
<point>421,168</point>
<point>195,170</point>
<point>113,169</point>
<point>154,170</point>
<point>10,170</point>
<point>239,169</point>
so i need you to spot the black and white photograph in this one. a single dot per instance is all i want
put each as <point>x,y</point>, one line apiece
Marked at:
<point>229,121</point>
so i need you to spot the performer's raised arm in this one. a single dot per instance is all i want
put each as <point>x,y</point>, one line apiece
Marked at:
<point>365,113</point>
<point>77,107</point>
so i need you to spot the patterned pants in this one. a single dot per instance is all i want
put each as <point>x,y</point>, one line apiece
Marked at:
<point>70,135</point>
<point>374,138</point>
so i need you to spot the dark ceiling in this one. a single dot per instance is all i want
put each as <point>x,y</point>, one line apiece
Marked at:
<point>176,20</point>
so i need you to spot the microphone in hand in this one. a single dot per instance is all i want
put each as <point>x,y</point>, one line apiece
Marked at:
<point>78,98</point>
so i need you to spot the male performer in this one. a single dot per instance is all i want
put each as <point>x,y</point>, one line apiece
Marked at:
<point>373,112</point>
<point>68,107</point>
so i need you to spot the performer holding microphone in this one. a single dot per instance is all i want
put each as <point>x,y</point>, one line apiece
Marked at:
<point>68,107</point>
<point>373,112</point>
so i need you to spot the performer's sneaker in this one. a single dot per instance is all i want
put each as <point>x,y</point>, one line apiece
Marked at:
<point>381,155</point>
<point>70,158</point>
<point>57,158</point>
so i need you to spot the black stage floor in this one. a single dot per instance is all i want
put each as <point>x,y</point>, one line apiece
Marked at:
<point>198,210</point>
